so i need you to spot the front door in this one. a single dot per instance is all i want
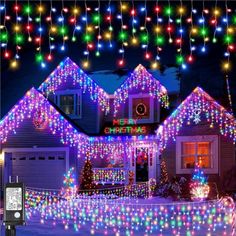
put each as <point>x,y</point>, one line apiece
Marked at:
<point>143,161</point>
<point>142,157</point>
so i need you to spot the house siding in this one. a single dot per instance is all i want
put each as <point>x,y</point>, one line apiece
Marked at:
<point>226,151</point>
<point>27,136</point>
<point>89,120</point>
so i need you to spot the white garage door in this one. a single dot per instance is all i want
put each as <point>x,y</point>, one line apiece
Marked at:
<point>39,169</point>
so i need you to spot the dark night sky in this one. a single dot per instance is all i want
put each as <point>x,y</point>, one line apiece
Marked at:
<point>204,72</point>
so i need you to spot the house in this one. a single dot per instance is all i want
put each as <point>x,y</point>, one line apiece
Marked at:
<point>124,130</point>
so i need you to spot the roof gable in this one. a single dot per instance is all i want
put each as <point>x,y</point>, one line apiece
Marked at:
<point>192,109</point>
<point>142,80</point>
<point>66,70</point>
<point>35,104</point>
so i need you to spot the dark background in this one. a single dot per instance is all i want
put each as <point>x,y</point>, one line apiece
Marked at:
<point>204,72</point>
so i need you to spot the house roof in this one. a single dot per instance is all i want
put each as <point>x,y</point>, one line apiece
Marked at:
<point>66,71</point>
<point>110,80</point>
<point>143,81</point>
<point>192,109</point>
<point>34,105</point>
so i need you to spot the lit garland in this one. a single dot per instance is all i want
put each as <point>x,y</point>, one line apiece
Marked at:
<point>129,216</point>
<point>109,175</point>
<point>140,79</point>
<point>32,102</point>
<point>67,72</point>
<point>175,25</point>
<point>197,104</point>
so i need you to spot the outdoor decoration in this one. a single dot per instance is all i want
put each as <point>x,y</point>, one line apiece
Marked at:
<point>69,72</point>
<point>95,27</point>
<point>87,176</point>
<point>109,176</point>
<point>131,177</point>
<point>207,108</point>
<point>140,79</point>
<point>134,217</point>
<point>32,102</point>
<point>164,174</point>
<point>39,120</point>
<point>69,190</point>
<point>199,189</point>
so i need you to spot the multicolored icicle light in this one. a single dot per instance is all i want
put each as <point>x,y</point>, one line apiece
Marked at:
<point>69,72</point>
<point>140,79</point>
<point>196,106</point>
<point>34,105</point>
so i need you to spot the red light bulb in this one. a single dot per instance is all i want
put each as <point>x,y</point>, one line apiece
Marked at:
<point>16,8</point>
<point>157,9</point>
<point>121,62</point>
<point>147,55</point>
<point>133,13</point>
<point>190,59</point>
<point>6,54</point>
<point>49,57</point>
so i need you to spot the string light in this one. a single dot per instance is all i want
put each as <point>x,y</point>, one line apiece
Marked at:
<point>126,214</point>
<point>209,109</point>
<point>140,78</point>
<point>123,38</point>
<point>56,123</point>
<point>159,32</point>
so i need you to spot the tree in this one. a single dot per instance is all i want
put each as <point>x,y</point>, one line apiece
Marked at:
<point>69,189</point>
<point>87,176</point>
<point>164,174</point>
<point>199,188</point>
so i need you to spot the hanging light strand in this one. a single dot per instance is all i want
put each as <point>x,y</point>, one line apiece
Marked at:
<point>110,26</point>
<point>190,58</point>
<point>85,63</point>
<point>227,63</point>
<point>203,27</point>
<point>6,53</point>
<point>147,54</point>
<point>215,22</point>
<point>99,30</point>
<point>63,26</point>
<point>122,50</point>
<point>49,57</point>
<point>75,12</point>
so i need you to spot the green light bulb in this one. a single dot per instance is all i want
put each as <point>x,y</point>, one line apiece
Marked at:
<point>122,36</point>
<point>168,11</point>
<point>27,9</point>
<point>179,59</point>
<point>39,57</point>
<point>19,39</point>
<point>160,40</point>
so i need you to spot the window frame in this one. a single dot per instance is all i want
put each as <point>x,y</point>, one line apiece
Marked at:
<point>151,102</point>
<point>77,101</point>
<point>214,153</point>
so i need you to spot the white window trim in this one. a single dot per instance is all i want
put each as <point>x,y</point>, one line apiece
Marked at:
<point>75,92</point>
<point>214,139</point>
<point>142,95</point>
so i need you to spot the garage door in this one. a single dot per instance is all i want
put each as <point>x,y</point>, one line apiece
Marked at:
<point>39,169</point>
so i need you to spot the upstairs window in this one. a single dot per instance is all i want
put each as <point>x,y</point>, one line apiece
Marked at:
<point>67,104</point>
<point>70,102</point>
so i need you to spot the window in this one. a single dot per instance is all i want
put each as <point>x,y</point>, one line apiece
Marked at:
<point>69,102</point>
<point>141,107</point>
<point>197,149</point>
